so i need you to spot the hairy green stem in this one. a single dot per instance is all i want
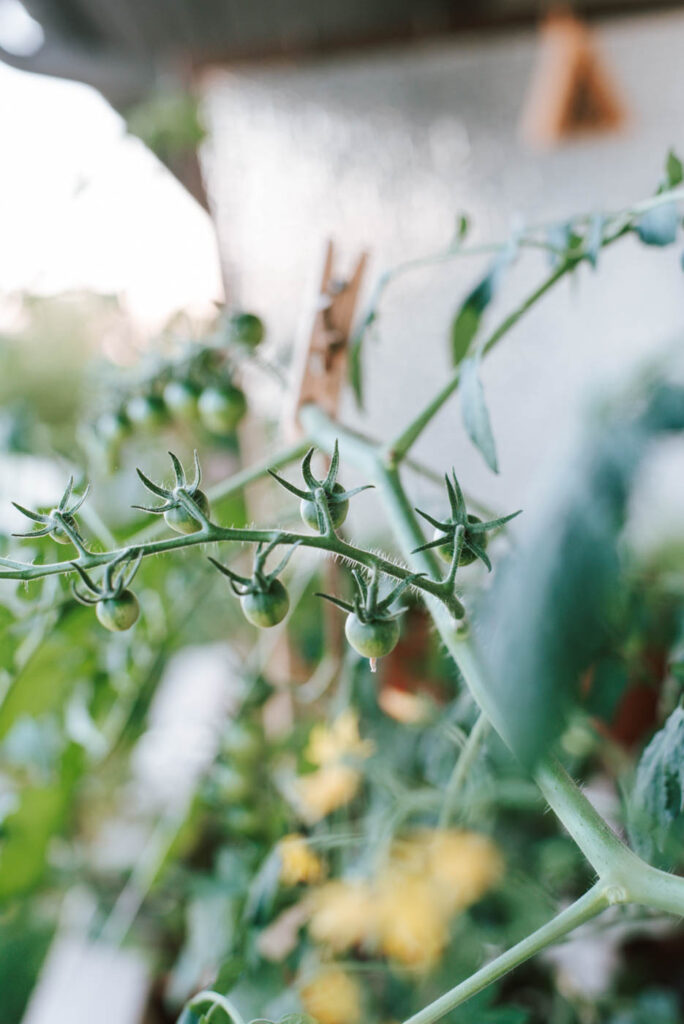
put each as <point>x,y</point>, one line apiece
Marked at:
<point>236,483</point>
<point>397,449</point>
<point>623,877</point>
<point>218,534</point>
<point>584,909</point>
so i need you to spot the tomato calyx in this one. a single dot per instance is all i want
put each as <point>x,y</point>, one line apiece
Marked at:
<point>60,522</point>
<point>372,626</point>
<point>185,507</point>
<point>116,606</point>
<point>264,599</point>
<point>463,536</point>
<point>325,503</point>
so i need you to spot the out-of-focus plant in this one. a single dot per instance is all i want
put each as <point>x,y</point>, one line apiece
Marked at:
<point>357,866</point>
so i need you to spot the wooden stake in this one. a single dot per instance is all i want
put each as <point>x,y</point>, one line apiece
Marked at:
<point>572,93</point>
<point>320,367</point>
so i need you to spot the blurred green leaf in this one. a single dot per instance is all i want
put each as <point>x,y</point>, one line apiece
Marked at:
<point>674,170</point>
<point>550,611</point>
<point>475,413</point>
<point>657,800</point>
<point>466,323</point>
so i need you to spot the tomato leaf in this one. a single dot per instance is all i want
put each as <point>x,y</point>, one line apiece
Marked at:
<point>594,239</point>
<point>657,800</point>
<point>674,170</point>
<point>475,413</point>
<point>553,604</point>
<point>466,323</point>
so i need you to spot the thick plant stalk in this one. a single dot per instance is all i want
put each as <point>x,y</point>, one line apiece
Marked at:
<point>584,909</point>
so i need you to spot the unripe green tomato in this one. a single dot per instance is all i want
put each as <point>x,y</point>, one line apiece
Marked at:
<point>180,520</point>
<point>338,510</point>
<point>247,329</point>
<point>113,427</point>
<point>231,785</point>
<point>180,398</point>
<point>221,408</point>
<point>242,743</point>
<point>118,613</point>
<point>147,411</point>
<point>266,608</point>
<point>446,550</point>
<point>372,639</point>
<point>58,534</point>
<point>244,821</point>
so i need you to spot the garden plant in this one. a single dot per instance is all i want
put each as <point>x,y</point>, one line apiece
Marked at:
<point>366,861</point>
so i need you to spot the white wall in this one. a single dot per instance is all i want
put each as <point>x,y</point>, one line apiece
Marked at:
<point>382,150</point>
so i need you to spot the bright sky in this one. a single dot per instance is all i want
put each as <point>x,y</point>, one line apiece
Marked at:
<point>84,206</point>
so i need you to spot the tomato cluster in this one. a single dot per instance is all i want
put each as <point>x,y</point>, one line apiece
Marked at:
<point>197,388</point>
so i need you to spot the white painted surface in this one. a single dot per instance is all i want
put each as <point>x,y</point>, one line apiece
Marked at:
<point>382,151</point>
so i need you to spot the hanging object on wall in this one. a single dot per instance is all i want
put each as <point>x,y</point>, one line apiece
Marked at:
<point>572,93</point>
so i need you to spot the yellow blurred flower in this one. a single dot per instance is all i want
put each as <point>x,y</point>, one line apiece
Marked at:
<point>413,922</point>
<point>405,707</point>
<point>298,862</point>
<point>325,790</point>
<point>343,914</point>
<point>331,743</point>
<point>463,865</point>
<point>332,996</point>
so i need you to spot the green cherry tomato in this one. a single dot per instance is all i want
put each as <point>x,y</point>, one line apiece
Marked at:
<point>242,743</point>
<point>266,608</point>
<point>180,398</point>
<point>113,427</point>
<point>147,411</point>
<point>118,613</point>
<point>58,533</point>
<point>446,550</point>
<point>180,520</point>
<point>221,408</point>
<point>372,639</point>
<point>231,785</point>
<point>247,329</point>
<point>338,510</point>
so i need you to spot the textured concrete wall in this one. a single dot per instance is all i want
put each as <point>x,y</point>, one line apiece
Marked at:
<point>381,151</point>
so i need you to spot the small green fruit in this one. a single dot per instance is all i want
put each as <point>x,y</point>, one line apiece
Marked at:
<point>372,639</point>
<point>338,510</point>
<point>446,550</point>
<point>266,608</point>
<point>147,411</point>
<point>180,519</point>
<point>247,329</point>
<point>221,408</point>
<point>118,613</point>
<point>180,398</point>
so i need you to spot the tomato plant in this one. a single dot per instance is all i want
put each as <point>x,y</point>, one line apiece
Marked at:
<point>350,848</point>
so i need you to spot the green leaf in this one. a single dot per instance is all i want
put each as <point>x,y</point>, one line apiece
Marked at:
<point>658,226</point>
<point>355,353</point>
<point>658,796</point>
<point>566,241</point>
<point>462,228</point>
<point>674,170</point>
<point>595,238</point>
<point>467,320</point>
<point>549,614</point>
<point>475,414</point>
